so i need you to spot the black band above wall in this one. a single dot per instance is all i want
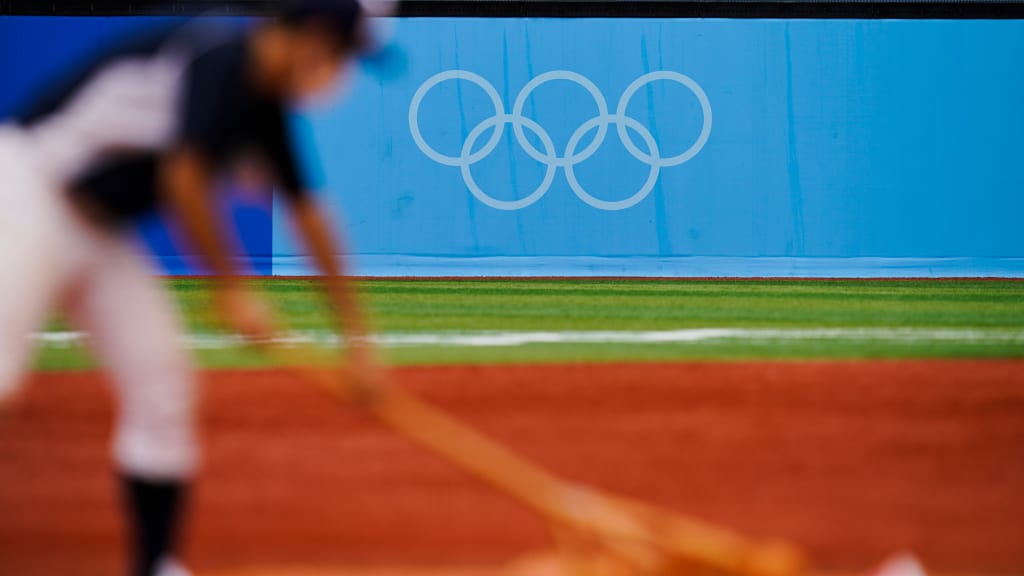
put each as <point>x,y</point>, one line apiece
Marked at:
<point>136,7</point>
<point>716,9</point>
<point>868,9</point>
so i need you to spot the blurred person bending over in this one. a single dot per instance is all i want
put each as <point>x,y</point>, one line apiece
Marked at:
<point>151,126</point>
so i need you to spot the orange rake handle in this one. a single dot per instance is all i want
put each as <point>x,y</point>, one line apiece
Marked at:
<point>569,505</point>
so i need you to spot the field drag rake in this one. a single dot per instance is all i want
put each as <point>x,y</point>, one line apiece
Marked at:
<point>595,533</point>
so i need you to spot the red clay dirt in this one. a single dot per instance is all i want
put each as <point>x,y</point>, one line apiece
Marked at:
<point>853,460</point>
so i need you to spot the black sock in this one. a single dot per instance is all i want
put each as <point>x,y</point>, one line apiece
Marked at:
<point>153,509</point>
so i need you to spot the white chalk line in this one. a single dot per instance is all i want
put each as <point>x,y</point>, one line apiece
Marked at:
<point>218,341</point>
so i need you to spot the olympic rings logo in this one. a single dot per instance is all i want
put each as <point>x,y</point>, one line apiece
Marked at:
<point>571,156</point>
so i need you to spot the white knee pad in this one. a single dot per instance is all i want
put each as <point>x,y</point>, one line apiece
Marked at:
<point>171,567</point>
<point>156,437</point>
<point>156,450</point>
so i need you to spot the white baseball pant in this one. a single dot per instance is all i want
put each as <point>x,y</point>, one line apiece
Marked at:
<point>52,260</point>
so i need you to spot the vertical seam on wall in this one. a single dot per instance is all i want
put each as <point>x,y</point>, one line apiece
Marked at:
<point>513,175</point>
<point>463,133</point>
<point>660,215</point>
<point>796,197</point>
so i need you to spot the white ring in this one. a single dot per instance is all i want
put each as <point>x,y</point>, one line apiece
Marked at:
<point>623,123</point>
<point>652,178</point>
<point>467,174</point>
<point>705,107</point>
<point>517,112</point>
<point>414,112</point>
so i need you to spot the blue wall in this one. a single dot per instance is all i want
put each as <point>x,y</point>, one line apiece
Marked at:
<point>850,148</point>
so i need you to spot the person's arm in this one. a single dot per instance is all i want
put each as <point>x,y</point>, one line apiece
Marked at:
<point>187,183</point>
<point>324,247</point>
<point>187,178</point>
<point>316,232</point>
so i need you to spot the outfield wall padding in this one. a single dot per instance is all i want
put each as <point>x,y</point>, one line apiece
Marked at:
<point>758,147</point>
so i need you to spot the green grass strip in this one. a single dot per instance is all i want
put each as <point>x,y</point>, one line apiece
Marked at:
<point>411,306</point>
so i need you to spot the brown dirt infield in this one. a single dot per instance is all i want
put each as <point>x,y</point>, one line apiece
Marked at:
<point>853,460</point>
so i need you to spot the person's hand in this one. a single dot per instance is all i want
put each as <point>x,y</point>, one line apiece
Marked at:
<point>244,312</point>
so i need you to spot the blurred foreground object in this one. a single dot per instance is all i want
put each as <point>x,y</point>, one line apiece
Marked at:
<point>904,564</point>
<point>596,533</point>
<point>151,124</point>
